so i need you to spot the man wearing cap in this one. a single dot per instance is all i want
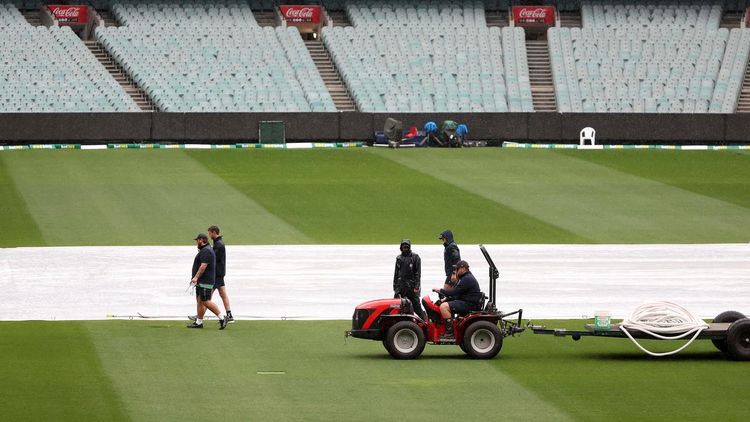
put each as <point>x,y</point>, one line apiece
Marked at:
<point>204,273</point>
<point>221,269</point>
<point>461,299</point>
<point>451,256</point>
<point>407,277</point>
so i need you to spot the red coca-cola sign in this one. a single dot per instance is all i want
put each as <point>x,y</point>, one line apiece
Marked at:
<point>534,15</point>
<point>66,14</point>
<point>300,15</point>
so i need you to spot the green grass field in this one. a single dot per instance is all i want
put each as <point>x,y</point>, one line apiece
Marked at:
<point>133,370</point>
<point>161,197</point>
<point>158,370</point>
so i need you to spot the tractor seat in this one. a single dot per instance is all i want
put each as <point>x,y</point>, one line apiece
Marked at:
<point>482,301</point>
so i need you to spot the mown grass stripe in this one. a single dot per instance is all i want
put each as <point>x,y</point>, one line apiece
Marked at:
<point>325,378</point>
<point>50,371</point>
<point>722,175</point>
<point>590,200</point>
<point>131,197</point>
<point>356,197</point>
<point>19,227</point>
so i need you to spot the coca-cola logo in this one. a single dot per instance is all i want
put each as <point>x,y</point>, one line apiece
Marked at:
<point>534,15</point>
<point>69,12</point>
<point>539,13</point>
<point>301,15</point>
<point>304,13</point>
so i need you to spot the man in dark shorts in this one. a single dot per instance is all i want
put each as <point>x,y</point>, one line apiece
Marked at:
<point>204,273</point>
<point>221,269</point>
<point>407,277</point>
<point>462,299</point>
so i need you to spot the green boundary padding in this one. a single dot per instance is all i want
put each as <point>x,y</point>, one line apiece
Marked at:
<point>305,145</point>
<point>589,147</point>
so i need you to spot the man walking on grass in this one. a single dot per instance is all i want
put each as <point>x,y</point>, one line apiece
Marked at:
<point>204,274</point>
<point>221,268</point>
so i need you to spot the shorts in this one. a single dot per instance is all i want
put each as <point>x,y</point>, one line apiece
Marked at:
<point>219,282</point>
<point>203,293</point>
<point>460,307</point>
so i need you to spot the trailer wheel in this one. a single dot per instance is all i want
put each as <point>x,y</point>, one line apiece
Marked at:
<point>482,340</point>
<point>727,316</point>
<point>738,339</point>
<point>405,340</point>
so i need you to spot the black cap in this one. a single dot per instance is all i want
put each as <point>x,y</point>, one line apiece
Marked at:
<point>406,242</point>
<point>462,264</point>
<point>201,236</point>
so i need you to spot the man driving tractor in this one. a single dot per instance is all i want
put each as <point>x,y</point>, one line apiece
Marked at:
<point>462,299</point>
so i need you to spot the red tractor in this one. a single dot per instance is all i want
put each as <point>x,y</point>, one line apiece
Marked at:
<point>404,334</point>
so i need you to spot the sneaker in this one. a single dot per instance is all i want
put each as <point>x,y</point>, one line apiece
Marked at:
<point>194,325</point>
<point>192,317</point>
<point>230,319</point>
<point>223,323</point>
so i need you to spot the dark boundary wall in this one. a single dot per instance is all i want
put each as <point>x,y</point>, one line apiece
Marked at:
<point>16,128</point>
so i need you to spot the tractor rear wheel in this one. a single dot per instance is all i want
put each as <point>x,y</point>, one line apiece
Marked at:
<point>727,316</point>
<point>482,340</point>
<point>405,340</point>
<point>738,339</point>
<point>385,344</point>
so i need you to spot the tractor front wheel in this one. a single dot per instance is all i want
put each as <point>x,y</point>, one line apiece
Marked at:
<point>482,340</point>
<point>405,340</point>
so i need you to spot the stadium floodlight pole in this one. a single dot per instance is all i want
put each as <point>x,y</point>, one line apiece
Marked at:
<point>494,275</point>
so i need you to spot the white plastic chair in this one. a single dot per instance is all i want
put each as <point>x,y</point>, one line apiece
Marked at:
<point>587,134</point>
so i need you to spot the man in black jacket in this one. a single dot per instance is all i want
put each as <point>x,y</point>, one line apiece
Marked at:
<point>204,274</point>
<point>451,256</point>
<point>221,269</point>
<point>462,299</point>
<point>407,277</point>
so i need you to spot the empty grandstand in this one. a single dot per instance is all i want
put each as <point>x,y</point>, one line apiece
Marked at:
<point>391,62</point>
<point>49,69</point>
<point>479,61</point>
<point>667,57</point>
<point>213,56</point>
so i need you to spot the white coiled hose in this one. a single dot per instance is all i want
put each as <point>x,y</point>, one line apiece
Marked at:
<point>663,320</point>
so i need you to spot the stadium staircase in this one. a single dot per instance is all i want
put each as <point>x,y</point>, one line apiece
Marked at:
<point>540,75</point>
<point>743,104</point>
<point>496,18</point>
<point>265,18</point>
<point>731,20</point>
<point>339,18</point>
<point>342,99</point>
<point>32,17</point>
<point>120,76</point>
<point>107,17</point>
<point>570,19</point>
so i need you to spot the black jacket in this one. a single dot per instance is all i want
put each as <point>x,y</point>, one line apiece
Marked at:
<point>408,274</point>
<point>467,289</point>
<point>451,254</point>
<point>221,258</point>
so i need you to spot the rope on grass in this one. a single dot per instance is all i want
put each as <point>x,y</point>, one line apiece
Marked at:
<point>665,321</point>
